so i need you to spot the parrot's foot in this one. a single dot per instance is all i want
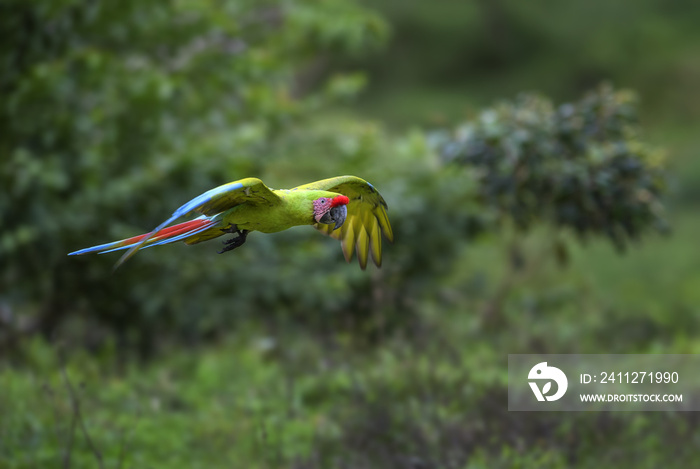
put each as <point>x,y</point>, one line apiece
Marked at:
<point>233,243</point>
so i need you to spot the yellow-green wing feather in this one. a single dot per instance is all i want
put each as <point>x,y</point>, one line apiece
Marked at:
<point>366,221</point>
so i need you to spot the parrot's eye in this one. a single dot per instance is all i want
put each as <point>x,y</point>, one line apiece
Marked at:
<point>323,201</point>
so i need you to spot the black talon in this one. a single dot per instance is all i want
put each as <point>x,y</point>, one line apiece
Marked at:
<point>236,241</point>
<point>231,229</point>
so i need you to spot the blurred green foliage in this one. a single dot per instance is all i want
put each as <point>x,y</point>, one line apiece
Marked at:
<point>580,166</point>
<point>113,114</point>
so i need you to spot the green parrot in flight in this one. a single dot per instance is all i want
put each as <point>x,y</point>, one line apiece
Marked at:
<point>346,207</point>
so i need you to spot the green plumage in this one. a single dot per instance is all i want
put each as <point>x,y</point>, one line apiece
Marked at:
<point>283,210</point>
<point>249,205</point>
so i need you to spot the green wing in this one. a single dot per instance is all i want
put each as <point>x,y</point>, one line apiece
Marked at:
<point>213,202</point>
<point>366,220</point>
<point>222,198</point>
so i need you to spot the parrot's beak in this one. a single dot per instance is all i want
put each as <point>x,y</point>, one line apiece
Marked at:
<point>338,214</point>
<point>335,215</point>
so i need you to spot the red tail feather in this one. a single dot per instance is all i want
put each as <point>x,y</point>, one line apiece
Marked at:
<point>171,231</point>
<point>167,235</point>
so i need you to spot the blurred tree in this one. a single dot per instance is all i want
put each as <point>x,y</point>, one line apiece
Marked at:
<point>108,109</point>
<point>580,166</point>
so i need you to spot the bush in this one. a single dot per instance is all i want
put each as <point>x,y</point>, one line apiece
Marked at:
<point>577,166</point>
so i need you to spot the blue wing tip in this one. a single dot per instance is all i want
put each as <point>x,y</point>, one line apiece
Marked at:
<point>92,249</point>
<point>203,199</point>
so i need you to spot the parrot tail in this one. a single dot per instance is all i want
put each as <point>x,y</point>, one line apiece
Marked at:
<point>165,236</point>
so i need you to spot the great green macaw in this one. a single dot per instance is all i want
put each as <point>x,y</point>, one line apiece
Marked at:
<point>347,208</point>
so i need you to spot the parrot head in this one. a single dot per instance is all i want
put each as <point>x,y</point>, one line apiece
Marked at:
<point>329,210</point>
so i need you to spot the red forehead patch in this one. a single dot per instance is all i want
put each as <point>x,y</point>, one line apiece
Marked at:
<point>339,200</point>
